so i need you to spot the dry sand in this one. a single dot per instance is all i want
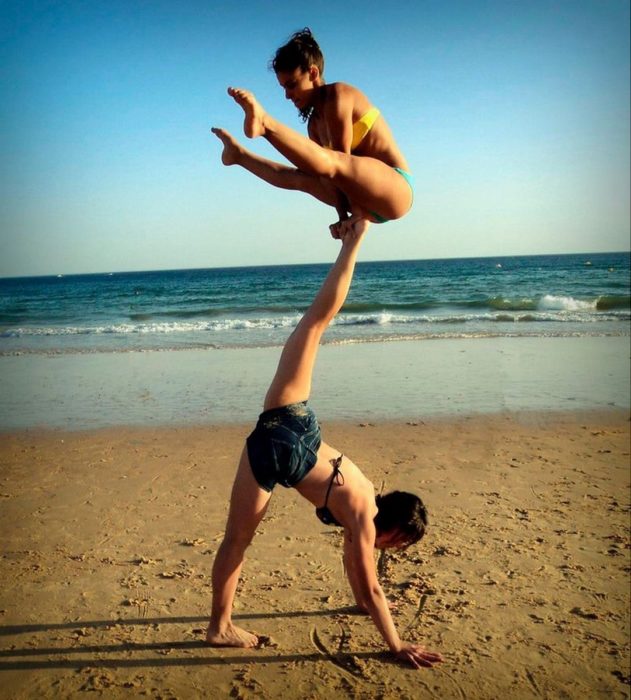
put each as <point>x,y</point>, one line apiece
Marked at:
<point>108,541</point>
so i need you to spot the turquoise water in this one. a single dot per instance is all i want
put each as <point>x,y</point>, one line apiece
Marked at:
<point>528,296</point>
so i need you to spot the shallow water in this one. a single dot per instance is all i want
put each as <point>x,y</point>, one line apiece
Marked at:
<point>359,382</point>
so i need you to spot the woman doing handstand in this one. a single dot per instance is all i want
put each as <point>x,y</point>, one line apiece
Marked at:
<point>286,448</point>
<point>350,160</point>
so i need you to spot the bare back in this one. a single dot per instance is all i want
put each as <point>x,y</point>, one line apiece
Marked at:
<point>342,106</point>
<point>351,500</point>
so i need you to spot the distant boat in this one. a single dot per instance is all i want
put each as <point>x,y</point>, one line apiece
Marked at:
<point>588,263</point>
<point>59,275</point>
<point>499,265</point>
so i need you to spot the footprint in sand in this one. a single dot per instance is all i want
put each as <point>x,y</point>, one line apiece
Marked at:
<point>585,615</point>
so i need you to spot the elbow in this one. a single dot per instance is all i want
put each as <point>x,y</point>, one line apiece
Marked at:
<point>373,595</point>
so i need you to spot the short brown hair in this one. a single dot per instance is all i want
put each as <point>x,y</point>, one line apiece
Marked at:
<point>402,511</point>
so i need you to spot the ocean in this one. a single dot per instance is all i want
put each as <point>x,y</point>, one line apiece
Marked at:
<point>254,307</point>
<point>415,339</point>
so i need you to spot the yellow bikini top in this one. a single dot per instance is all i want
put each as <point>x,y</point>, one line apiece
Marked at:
<point>363,125</point>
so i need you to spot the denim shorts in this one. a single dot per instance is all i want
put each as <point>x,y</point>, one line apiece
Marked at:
<point>284,446</point>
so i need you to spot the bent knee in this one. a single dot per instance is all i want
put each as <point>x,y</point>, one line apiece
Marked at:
<point>329,166</point>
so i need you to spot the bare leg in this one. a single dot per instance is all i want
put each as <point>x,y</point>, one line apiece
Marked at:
<point>277,174</point>
<point>292,381</point>
<point>367,182</point>
<point>248,504</point>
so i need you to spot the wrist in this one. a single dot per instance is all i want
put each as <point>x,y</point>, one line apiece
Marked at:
<point>395,644</point>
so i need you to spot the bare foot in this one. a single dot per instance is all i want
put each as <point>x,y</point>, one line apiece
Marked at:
<point>231,148</point>
<point>353,228</point>
<point>253,124</point>
<point>335,230</point>
<point>232,636</point>
<point>360,225</point>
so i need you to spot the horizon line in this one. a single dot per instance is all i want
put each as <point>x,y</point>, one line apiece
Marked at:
<point>274,265</point>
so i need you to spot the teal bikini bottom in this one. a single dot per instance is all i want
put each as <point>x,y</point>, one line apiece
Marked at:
<point>410,180</point>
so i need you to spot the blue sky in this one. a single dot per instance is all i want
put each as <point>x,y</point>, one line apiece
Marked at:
<point>514,117</point>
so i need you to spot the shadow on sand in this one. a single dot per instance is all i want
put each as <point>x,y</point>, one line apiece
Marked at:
<point>146,654</point>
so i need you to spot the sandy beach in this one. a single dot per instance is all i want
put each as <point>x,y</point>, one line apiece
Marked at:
<point>167,268</point>
<point>522,581</point>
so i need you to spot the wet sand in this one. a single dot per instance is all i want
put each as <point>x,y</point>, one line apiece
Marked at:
<point>109,536</point>
<point>357,381</point>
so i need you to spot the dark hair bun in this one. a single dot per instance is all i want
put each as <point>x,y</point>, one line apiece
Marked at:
<point>301,51</point>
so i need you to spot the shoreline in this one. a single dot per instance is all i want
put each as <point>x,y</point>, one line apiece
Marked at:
<point>110,534</point>
<point>325,342</point>
<point>363,382</point>
<point>538,416</point>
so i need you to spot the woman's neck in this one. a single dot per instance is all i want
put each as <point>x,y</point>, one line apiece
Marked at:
<point>319,97</point>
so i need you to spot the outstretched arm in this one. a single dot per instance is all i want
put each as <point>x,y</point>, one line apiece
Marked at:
<point>292,381</point>
<point>334,290</point>
<point>358,552</point>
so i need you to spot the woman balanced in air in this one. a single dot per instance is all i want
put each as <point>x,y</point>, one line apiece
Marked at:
<point>286,448</point>
<point>350,160</point>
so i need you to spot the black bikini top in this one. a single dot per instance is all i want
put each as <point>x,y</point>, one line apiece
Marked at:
<point>323,513</point>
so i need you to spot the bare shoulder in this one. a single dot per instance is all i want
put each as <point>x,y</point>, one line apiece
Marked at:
<point>347,94</point>
<point>341,89</point>
<point>359,518</point>
<point>359,492</point>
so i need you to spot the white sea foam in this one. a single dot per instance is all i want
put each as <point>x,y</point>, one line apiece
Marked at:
<point>558,303</point>
<point>551,309</point>
<point>158,328</point>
